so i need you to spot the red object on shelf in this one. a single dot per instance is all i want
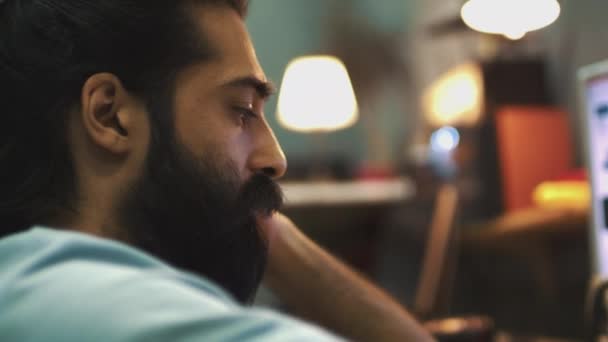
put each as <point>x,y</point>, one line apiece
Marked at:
<point>534,145</point>
<point>573,175</point>
<point>371,172</point>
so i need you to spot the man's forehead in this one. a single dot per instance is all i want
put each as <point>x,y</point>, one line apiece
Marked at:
<point>226,32</point>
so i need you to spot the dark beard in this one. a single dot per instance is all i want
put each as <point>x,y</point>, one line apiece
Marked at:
<point>196,215</point>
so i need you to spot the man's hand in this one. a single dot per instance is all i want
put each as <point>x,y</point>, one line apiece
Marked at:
<point>318,287</point>
<point>273,225</point>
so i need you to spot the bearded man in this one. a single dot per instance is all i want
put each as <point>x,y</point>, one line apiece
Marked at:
<point>138,199</point>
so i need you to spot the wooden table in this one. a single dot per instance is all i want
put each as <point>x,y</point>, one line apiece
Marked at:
<point>551,248</point>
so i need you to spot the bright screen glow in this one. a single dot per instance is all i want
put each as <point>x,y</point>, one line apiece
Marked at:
<point>596,118</point>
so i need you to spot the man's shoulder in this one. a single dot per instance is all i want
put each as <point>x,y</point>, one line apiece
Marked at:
<point>76,260</point>
<point>52,278</point>
<point>73,287</point>
<point>85,261</point>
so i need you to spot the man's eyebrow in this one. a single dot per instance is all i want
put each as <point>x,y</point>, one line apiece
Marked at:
<point>264,88</point>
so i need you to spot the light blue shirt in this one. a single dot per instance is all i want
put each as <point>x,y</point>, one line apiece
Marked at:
<point>72,287</point>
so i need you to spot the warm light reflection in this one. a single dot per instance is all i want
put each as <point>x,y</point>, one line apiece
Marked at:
<point>316,95</point>
<point>456,98</point>
<point>511,18</point>
<point>563,195</point>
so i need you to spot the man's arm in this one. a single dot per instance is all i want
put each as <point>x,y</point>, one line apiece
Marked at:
<point>322,289</point>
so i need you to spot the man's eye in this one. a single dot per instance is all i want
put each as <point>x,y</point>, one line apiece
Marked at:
<point>245,114</point>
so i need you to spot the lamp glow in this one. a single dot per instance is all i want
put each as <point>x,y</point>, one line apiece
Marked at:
<point>511,18</point>
<point>515,34</point>
<point>317,96</point>
<point>456,98</point>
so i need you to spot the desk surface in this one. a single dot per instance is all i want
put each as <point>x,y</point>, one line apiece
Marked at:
<point>529,270</point>
<point>333,193</point>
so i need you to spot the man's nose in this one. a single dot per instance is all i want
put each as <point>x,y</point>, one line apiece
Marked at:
<point>268,157</point>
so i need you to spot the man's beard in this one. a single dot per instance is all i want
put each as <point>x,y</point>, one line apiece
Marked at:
<point>197,215</point>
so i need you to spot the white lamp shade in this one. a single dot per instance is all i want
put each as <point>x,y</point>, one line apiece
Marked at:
<point>456,99</point>
<point>316,95</point>
<point>511,18</point>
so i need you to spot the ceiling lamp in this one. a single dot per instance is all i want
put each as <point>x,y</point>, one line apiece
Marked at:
<point>511,18</point>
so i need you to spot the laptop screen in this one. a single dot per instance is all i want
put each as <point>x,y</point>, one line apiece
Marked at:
<point>593,82</point>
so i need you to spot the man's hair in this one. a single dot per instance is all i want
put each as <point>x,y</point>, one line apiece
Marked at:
<point>48,49</point>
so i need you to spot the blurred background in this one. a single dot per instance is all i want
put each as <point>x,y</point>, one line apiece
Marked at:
<point>437,146</point>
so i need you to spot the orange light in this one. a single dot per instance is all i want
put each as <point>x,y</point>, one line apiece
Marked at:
<point>563,195</point>
<point>456,98</point>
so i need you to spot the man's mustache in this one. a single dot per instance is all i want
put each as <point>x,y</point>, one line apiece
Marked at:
<point>261,195</point>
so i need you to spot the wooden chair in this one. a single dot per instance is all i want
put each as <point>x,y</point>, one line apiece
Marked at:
<point>439,262</point>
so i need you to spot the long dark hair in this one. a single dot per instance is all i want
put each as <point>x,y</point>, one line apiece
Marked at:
<point>48,48</point>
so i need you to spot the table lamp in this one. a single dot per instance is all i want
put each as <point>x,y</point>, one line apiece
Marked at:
<point>317,96</point>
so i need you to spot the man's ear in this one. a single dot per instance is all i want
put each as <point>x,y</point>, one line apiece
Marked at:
<point>106,113</point>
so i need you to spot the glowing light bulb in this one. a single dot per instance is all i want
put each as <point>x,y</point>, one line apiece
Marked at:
<point>445,139</point>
